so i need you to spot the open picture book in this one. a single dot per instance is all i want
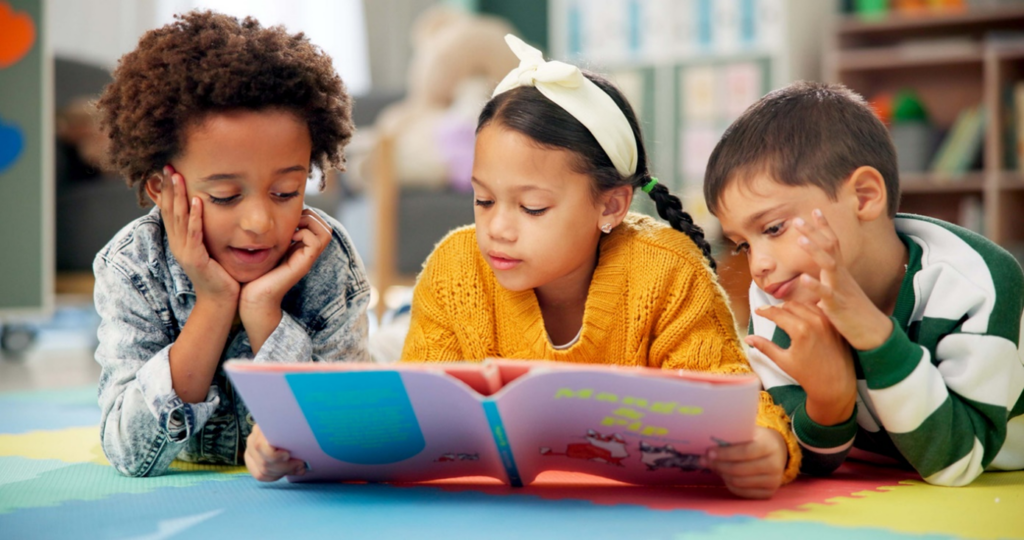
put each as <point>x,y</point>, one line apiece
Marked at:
<point>505,419</point>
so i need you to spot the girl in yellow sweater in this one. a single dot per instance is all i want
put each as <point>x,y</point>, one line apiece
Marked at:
<point>556,268</point>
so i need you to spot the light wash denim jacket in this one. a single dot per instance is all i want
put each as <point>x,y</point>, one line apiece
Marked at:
<point>144,298</point>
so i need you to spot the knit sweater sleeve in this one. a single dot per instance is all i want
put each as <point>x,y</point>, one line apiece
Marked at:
<point>432,336</point>
<point>697,332</point>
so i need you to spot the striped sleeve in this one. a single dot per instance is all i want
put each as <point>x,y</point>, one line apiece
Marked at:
<point>944,386</point>
<point>948,436</point>
<point>824,448</point>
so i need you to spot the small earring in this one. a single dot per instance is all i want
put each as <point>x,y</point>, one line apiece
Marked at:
<point>606,228</point>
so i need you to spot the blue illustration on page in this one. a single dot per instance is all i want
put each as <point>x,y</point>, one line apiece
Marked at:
<point>362,418</point>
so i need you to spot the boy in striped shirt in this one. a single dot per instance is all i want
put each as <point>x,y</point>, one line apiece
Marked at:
<point>891,335</point>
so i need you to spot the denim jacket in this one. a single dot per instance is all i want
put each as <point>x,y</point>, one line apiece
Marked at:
<point>144,298</point>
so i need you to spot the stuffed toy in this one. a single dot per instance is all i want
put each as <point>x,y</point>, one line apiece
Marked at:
<point>458,59</point>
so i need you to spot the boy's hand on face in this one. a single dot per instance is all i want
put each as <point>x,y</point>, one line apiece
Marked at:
<point>184,226</point>
<point>309,241</point>
<point>267,463</point>
<point>818,358</point>
<point>260,303</point>
<point>753,469</point>
<point>856,317</point>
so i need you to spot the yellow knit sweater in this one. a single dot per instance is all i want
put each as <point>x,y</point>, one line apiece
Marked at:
<point>653,301</point>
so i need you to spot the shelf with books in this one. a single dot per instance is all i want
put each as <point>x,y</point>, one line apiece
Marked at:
<point>926,183</point>
<point>854,30</point>
<point>960,66</point>
<point>901,57</point>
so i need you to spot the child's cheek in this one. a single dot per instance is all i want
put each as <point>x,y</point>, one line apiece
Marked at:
<point>803,295</point>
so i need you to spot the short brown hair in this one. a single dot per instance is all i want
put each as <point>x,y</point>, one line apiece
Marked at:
<point>807,133</point>
<point>206,62</point>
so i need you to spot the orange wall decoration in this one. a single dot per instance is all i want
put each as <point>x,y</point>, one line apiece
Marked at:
<point>17,35</point>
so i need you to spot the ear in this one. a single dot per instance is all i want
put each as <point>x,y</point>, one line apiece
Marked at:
<point>154,188</point>
<point>614,205</point>
<point>867,187</point>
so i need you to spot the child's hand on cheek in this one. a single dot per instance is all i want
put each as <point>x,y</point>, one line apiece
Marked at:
<point>856,317</point>
<point>753,469</point>
<point>260,303</point>
<point>184,226</point>
<point>818,358</point>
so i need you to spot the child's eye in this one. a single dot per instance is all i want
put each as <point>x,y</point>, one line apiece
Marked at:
<point>223,200</point>
<point>286,196</point>
<point>482,203</point>
<point>742,247</point>
<point>775,230</point>
<point>534,211</point>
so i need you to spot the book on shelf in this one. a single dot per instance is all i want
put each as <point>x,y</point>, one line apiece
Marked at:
<point>962,144</point>
<point>504,419</point>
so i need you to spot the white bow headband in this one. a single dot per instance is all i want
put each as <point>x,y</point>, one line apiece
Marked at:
<point>566,86</point>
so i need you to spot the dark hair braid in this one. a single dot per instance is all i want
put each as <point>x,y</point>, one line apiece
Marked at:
<point>670,208</point>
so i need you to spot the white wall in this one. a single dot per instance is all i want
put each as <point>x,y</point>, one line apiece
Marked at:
<point>101,31</point>
<point>98,31</point>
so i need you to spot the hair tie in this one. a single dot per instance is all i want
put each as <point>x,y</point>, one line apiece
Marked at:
<point>650,185</point>
<point>565,85</point>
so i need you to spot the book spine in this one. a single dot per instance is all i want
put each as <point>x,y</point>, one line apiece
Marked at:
<point>501,442</point>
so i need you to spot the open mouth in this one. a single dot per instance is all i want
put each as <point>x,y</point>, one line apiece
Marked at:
<point>250,255</point>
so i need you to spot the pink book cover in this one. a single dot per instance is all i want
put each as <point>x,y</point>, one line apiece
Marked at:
<point>506,419</point>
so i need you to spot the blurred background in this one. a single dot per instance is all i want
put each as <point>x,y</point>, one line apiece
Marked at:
<point>947,77</point>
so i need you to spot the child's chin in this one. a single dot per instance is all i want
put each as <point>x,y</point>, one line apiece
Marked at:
<point>248,275</point>
<point>514,285</point>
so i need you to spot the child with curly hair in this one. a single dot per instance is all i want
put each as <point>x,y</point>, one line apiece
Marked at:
<point>220,123</point>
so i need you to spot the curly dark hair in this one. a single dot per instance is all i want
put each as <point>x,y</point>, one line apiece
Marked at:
<point>206,62</point>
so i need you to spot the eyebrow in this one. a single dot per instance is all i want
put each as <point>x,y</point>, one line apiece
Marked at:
<point>529,187</point>
<point>758,216</point>
<point>235,176</point>
<point>754,219</point>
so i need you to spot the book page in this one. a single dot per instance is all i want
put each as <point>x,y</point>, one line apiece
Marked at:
<point>622,425</point>
<point>374,425</point>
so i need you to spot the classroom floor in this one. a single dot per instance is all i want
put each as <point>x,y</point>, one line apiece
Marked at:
<point>56,483</point>
<point>61,355</point>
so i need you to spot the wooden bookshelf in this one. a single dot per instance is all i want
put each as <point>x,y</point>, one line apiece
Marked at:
<point>855,31</point>
<point>951,60</point>
<point>926,183</point>
<point>881,58</point>
<point>1011,181</point>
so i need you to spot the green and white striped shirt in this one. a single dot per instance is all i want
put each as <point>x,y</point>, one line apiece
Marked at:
<point>944,393</point>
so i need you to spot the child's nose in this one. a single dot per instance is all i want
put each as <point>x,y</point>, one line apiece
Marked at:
<point>760,264</point>
<point>502,226</point>
<point>257,218</point>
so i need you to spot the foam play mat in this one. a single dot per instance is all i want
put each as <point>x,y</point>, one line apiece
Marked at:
<point>55,483</point>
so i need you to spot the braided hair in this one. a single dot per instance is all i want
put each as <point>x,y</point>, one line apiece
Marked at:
<point>527,111</point>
